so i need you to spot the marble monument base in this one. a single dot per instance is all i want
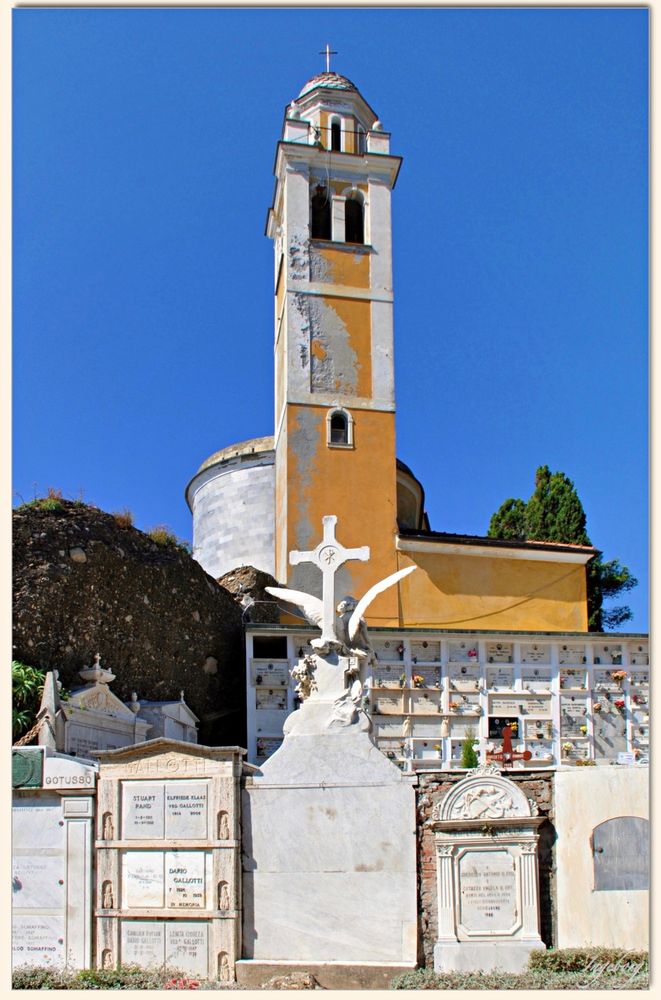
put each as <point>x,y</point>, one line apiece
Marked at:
<point>484,956</point>
<point>329,852</point>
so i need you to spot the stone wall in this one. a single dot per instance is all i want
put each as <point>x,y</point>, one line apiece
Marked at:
<point>432,788</point>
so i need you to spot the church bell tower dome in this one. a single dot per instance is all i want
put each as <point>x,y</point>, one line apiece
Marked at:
<point>331,80</point>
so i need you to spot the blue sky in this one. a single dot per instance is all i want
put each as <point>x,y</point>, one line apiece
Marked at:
<point>143,155</point>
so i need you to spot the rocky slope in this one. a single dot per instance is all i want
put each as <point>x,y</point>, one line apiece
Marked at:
<point>86,582</point>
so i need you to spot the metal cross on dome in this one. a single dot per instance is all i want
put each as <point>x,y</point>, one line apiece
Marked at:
<point>328,556</point>
<point>328,52</point>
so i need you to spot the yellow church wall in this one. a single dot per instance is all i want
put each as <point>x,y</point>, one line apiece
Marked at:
<point>484,592</point>
<point>340,348</point>
<point>342,481</point>
<point>346,268</point>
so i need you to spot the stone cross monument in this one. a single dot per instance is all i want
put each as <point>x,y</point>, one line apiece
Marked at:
<point>330,681</point>
<point>328,556</point>
<point>328,820</point>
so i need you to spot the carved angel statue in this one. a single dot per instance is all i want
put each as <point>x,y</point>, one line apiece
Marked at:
<point>350,625</point>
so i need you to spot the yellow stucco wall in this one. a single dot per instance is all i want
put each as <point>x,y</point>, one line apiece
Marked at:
<point>484,592</point>
<point>342,481</point>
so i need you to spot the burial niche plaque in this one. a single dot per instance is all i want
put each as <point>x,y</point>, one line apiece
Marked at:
<point>487,892</point>
<point>143,811</point>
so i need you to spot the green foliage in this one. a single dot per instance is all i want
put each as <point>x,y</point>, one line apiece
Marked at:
<point>607,580</point>
<point>554,513</point>
<point>127,977</point>
<point>468,756</point>
<point>52,501</point>
<point>27,687</point>
<point>568,969</point>
<point>509,521</point>
<point>162,535</point>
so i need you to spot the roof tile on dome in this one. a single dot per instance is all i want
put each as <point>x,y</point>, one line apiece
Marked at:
<point>332,80</point>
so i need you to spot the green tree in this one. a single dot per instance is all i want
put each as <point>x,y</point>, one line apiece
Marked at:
<point>554,513</point>
<point>509,521</point>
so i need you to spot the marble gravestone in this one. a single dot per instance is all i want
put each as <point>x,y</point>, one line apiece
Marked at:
<point>52,817</point>
<point>487,880</point>
<point>168,887</point>
<point>329,848</point>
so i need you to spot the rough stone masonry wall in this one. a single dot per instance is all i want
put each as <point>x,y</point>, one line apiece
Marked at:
<point>432,788</point>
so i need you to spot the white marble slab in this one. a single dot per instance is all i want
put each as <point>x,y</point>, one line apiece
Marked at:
<point>143,880</point>
<point>143,943</point>
<point>487,892</point>
<point>38,878</point>
<point>186,810</point>
<point>187,946</point>
<point>185,880</point>
<point>143,811</point>
<point>38,939</point>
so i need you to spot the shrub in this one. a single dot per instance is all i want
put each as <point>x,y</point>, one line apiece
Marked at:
<point>567,969</point>
<point>578,959</point>
<point>123,518</point>
<point>127,977</point>
<point>162,535</point>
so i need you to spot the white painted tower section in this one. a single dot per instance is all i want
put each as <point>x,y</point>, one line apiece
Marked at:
<point>232,499</point>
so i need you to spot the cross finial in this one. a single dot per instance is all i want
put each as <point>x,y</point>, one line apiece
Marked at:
<point>328,52</point>
<point>328,556</point>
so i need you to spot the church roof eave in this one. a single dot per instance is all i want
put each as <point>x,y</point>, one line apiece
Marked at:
<point>416,540</point>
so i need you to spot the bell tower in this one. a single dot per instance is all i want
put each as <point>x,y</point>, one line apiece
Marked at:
<point>334,377</point>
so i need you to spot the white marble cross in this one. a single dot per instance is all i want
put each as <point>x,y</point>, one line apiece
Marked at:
<point>328,556</point>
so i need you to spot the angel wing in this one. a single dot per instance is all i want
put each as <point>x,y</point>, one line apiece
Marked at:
<point>364,602</point>
<point>312,607</point>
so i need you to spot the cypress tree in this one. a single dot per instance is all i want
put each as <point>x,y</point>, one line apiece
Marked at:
<point>554,513</point>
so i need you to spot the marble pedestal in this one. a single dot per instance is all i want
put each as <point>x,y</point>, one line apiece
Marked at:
<point>329,849</point>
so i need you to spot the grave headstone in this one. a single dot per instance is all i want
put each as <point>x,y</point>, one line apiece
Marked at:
<point>168,878</point>
<point>52,815</point>
<point>486,852</point>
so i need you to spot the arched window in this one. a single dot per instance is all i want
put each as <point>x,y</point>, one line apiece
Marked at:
<point>336,134</point>
<point>320,222</point>
<point>339,427</point>
<point>354,226</point>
